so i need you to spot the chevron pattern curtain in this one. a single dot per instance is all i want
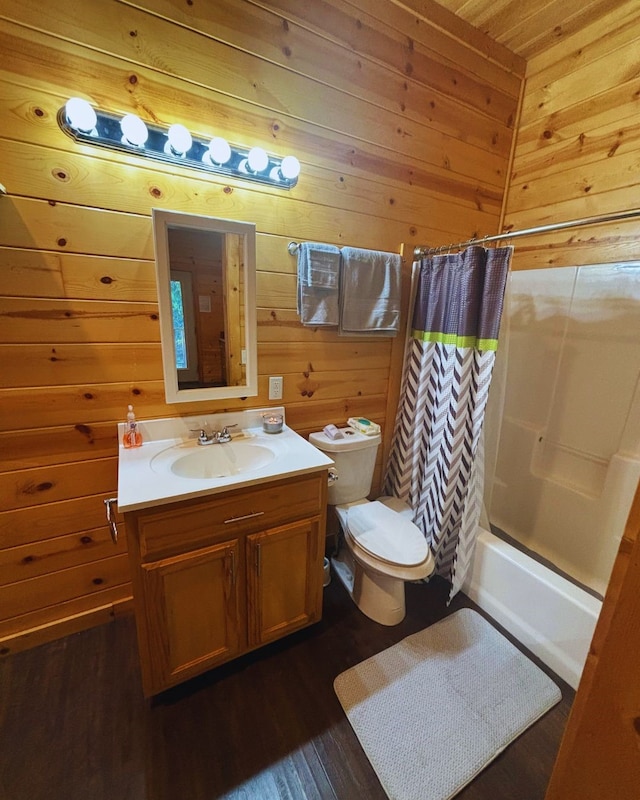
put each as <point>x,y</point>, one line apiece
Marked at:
<point>435,464</point>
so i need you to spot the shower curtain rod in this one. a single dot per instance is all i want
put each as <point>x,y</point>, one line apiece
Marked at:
<point>557,226</point>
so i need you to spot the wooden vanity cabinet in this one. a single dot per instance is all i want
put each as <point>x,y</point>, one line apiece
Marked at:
<point>221,575</point>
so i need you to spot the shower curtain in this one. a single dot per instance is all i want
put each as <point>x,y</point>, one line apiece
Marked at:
<point>435,464</point>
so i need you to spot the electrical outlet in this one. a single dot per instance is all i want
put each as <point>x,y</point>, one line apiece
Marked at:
<point>275,388</point>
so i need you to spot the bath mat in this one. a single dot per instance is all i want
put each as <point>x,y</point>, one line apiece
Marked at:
<point>433,710</point>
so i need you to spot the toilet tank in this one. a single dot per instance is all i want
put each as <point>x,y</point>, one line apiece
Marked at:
<point>355,460</point>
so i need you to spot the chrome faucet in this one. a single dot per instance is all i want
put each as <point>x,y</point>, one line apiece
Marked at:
<point>214,437</point>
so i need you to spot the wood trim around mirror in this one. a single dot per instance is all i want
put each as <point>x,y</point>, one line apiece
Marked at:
<point>236,295</point>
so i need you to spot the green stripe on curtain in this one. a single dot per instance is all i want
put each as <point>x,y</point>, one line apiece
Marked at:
<point>458,341</point>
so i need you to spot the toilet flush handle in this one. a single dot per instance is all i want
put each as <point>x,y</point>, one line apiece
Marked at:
<point>332,477</point>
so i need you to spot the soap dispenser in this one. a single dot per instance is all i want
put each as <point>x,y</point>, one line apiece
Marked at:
<point>132,436</point>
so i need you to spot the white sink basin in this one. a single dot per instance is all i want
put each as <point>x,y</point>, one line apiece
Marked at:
<point>170,466</point>
<point>212,461</point>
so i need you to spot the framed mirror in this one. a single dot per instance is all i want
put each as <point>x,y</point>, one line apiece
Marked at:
<point>206,279</point>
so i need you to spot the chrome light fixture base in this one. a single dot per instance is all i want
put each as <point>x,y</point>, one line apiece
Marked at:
<point>107,132</point>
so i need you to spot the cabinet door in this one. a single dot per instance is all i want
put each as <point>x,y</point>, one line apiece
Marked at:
<point>284,574</point>
<point>190,617</point>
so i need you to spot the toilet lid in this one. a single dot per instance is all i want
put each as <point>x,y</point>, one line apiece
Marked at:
<point>386,534</point>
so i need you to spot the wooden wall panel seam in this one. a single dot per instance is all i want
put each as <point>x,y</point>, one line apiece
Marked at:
<point>512,158</point>
<point>455,28</point>
<point>535,35</point>
<point>35,625</point>
<point>588,82</point>
<point>39,592</point>
<point>622,20</point>
<point>85,231</point>
<point>358,89</point>
<point>56,554</point>
<point>272,91</point>
<point>602,144</point>
<point>37,634</point>
<point>59,178</point>
<point>430,181</point>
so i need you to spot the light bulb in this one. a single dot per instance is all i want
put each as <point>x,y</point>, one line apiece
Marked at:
<point>80,114</point>
<point>257,159</point>
<point>178,140</point>
<point>219,150</point>
<point>134,131</point>
<point>290,168</point>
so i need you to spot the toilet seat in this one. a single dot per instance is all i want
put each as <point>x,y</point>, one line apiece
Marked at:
<point>386,535</point>
<point>375,584</point>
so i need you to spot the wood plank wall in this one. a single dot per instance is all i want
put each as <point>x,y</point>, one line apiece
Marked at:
<point>403,126</point>
<point>605,717</point>
<point>578,145</point>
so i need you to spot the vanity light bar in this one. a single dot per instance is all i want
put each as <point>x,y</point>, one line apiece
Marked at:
<point>175,145</point>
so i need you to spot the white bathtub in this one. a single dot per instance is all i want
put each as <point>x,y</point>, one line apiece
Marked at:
<point>546,613</point>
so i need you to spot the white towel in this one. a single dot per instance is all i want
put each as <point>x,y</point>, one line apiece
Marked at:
<point>318,284</point>
<point>370,285</point>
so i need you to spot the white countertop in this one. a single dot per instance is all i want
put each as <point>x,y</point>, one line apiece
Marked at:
<point>140,485</point>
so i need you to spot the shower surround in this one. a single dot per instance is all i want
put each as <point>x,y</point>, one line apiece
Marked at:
<point>569,450</point>
<point>568,458</point>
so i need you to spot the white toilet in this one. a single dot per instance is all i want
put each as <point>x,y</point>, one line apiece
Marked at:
<point>383,546</point>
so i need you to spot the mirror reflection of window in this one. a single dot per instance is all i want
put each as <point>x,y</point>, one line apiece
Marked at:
<point>184,327</point>
<point>197,262</point>
<point>206,297</point>
<point>177,317</point>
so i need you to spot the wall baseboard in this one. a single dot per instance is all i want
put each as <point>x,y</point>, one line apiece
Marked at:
<point>57,629</point>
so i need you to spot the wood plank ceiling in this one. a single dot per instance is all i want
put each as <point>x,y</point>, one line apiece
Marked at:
<point>529,27</point>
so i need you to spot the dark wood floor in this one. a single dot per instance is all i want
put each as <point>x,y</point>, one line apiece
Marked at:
<point>74,724</point>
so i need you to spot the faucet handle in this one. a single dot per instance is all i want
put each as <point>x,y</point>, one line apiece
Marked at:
<point>224,435</point>
<point>203,436</point>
